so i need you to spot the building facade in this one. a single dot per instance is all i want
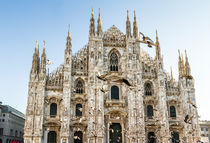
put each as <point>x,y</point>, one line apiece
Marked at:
<point>111,91</point>
<point>11,124</point>
<point>205,131</point>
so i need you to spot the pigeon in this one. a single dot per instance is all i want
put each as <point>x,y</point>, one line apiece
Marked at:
<point>192,104</point>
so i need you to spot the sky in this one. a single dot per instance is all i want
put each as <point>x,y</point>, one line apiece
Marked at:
<point>181,24</point>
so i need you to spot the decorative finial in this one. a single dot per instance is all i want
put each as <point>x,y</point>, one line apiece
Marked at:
<point>127,15</point>
<point>99,12</point>
<point>185,53</point>
<point>134,14</point>
<point>156,35</point>
<point>37,44</point>
<point>44,44</point>
<point>69,31</point>
<point>92,12</point>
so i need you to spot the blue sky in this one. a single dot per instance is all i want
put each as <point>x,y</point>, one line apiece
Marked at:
<point>181,24</point>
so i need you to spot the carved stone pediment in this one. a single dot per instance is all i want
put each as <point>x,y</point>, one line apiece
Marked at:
<point>53,99</point>
<point>51,123</point>
<point>114,37</point>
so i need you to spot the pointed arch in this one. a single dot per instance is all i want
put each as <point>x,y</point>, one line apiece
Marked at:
<point>79,86</point>
<point>114,60</point>
<point>148,88</point>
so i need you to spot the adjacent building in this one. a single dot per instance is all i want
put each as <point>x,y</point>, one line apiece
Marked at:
<point>205,131</point>
<point>111,91</point>
<point>11,124</point>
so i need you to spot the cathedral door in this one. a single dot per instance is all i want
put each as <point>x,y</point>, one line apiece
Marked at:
<point>115,133</point>
<point>78,137</point>
<point>51,138</point>
<point>175,137</point>
<point>151,137</point>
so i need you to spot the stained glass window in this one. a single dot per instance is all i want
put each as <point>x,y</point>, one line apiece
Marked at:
<point>113,62</point>
<point>79,87</point>
<point>148,89</point>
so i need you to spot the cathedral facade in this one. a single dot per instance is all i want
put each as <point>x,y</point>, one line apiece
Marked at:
<point>111,91</point>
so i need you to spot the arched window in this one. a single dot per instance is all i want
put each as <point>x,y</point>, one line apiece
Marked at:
<point>149,111</point>
<point>151,137</point>
<point>175,137</point>
<point>113,62</point>
<point>79,110</point>
<point>78,137</point>
<point>79,87</point>
<point>53,109</point>
<point>148,89</point>
<point>172,111</point>
<point>51,138</point>
<point>114,92</point>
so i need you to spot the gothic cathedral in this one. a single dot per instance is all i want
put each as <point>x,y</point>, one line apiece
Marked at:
<point>111,91</point>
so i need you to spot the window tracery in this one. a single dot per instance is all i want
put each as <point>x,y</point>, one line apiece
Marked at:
<point>148,89</point>
<point>79,87</point>
<point>113,62</point>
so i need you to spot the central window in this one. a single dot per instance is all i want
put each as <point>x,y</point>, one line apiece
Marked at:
<point>79,110</point>
<point>150,113</point>
<point>113,62</point>
<point>79,86</point>
<point>53,109</point>
<point>114,92</point>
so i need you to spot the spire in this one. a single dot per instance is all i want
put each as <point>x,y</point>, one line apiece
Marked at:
<point>68,41</point>
<point>35,62</point>
<point>99,25</point>
<point>135,27</point>
<point>69,34</point>
<point>157,47</point>
<point>92,25</point>
<point>187,65</point>
<point>128,26</point>
<point>43,60</point>
<point>181,65</point>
